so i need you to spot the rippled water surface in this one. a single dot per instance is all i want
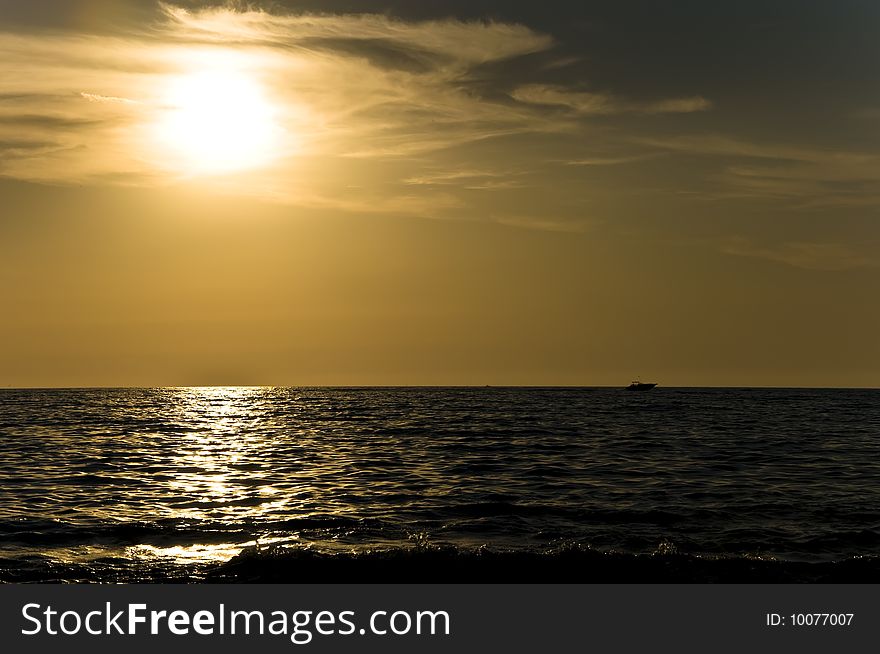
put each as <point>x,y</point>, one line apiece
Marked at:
<point>183,474</point>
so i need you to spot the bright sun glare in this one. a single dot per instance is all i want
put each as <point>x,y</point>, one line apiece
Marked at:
<point>218,122</point>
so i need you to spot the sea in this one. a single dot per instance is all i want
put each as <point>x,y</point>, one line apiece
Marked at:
<point>190,484</point>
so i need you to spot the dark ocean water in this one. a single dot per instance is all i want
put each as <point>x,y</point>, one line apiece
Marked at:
<point>146,484</point>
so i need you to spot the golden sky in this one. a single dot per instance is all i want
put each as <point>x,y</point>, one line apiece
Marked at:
<point>311,193</point>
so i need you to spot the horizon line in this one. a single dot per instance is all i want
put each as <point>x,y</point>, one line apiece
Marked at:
<point>427,386</point>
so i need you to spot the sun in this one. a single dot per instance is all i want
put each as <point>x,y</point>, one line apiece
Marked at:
<point>216,122</point>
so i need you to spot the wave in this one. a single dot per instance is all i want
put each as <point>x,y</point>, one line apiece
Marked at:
<point>566,565</point>
<point>498,524</point>
<point>448,564</point>
<point>178,531</point>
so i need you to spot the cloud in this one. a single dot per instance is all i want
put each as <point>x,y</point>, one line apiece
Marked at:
<point>93,97</point>
<point>337,81</point>
<point>586,103</point>
<point>23,148</point>
<point>543,224</point>
<point>609,160</point>
<point>801,177</point>
<point>806,255</point>
<point>677,105</point>
<point>719,144</point>
<point>472,180</point>
<point>457,44</point>
<point>374,113</point>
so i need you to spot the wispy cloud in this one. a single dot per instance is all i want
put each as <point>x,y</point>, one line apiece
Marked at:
<point>800,176</point>
<point>806,255</point>
<point>473,180</point>
<point>374,113</point>
<point>587,103</point>
<point>608,160</point>
<point>456,43</point>
<point>719,144</point>
<point>94,97</point>
<point>338,80</point>
<point>543,223</point>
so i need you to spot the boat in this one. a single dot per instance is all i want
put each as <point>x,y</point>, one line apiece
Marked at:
<point>640,386</point>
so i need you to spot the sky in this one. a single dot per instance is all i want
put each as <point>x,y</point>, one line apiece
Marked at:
<point>482,192</point>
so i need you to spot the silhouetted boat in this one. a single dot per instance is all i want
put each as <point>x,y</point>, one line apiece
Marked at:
<point>640,386</point>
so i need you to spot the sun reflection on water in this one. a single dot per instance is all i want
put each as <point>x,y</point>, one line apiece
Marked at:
<point>212,471</point>
<point>219,472</point>
<point>202,553</point>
